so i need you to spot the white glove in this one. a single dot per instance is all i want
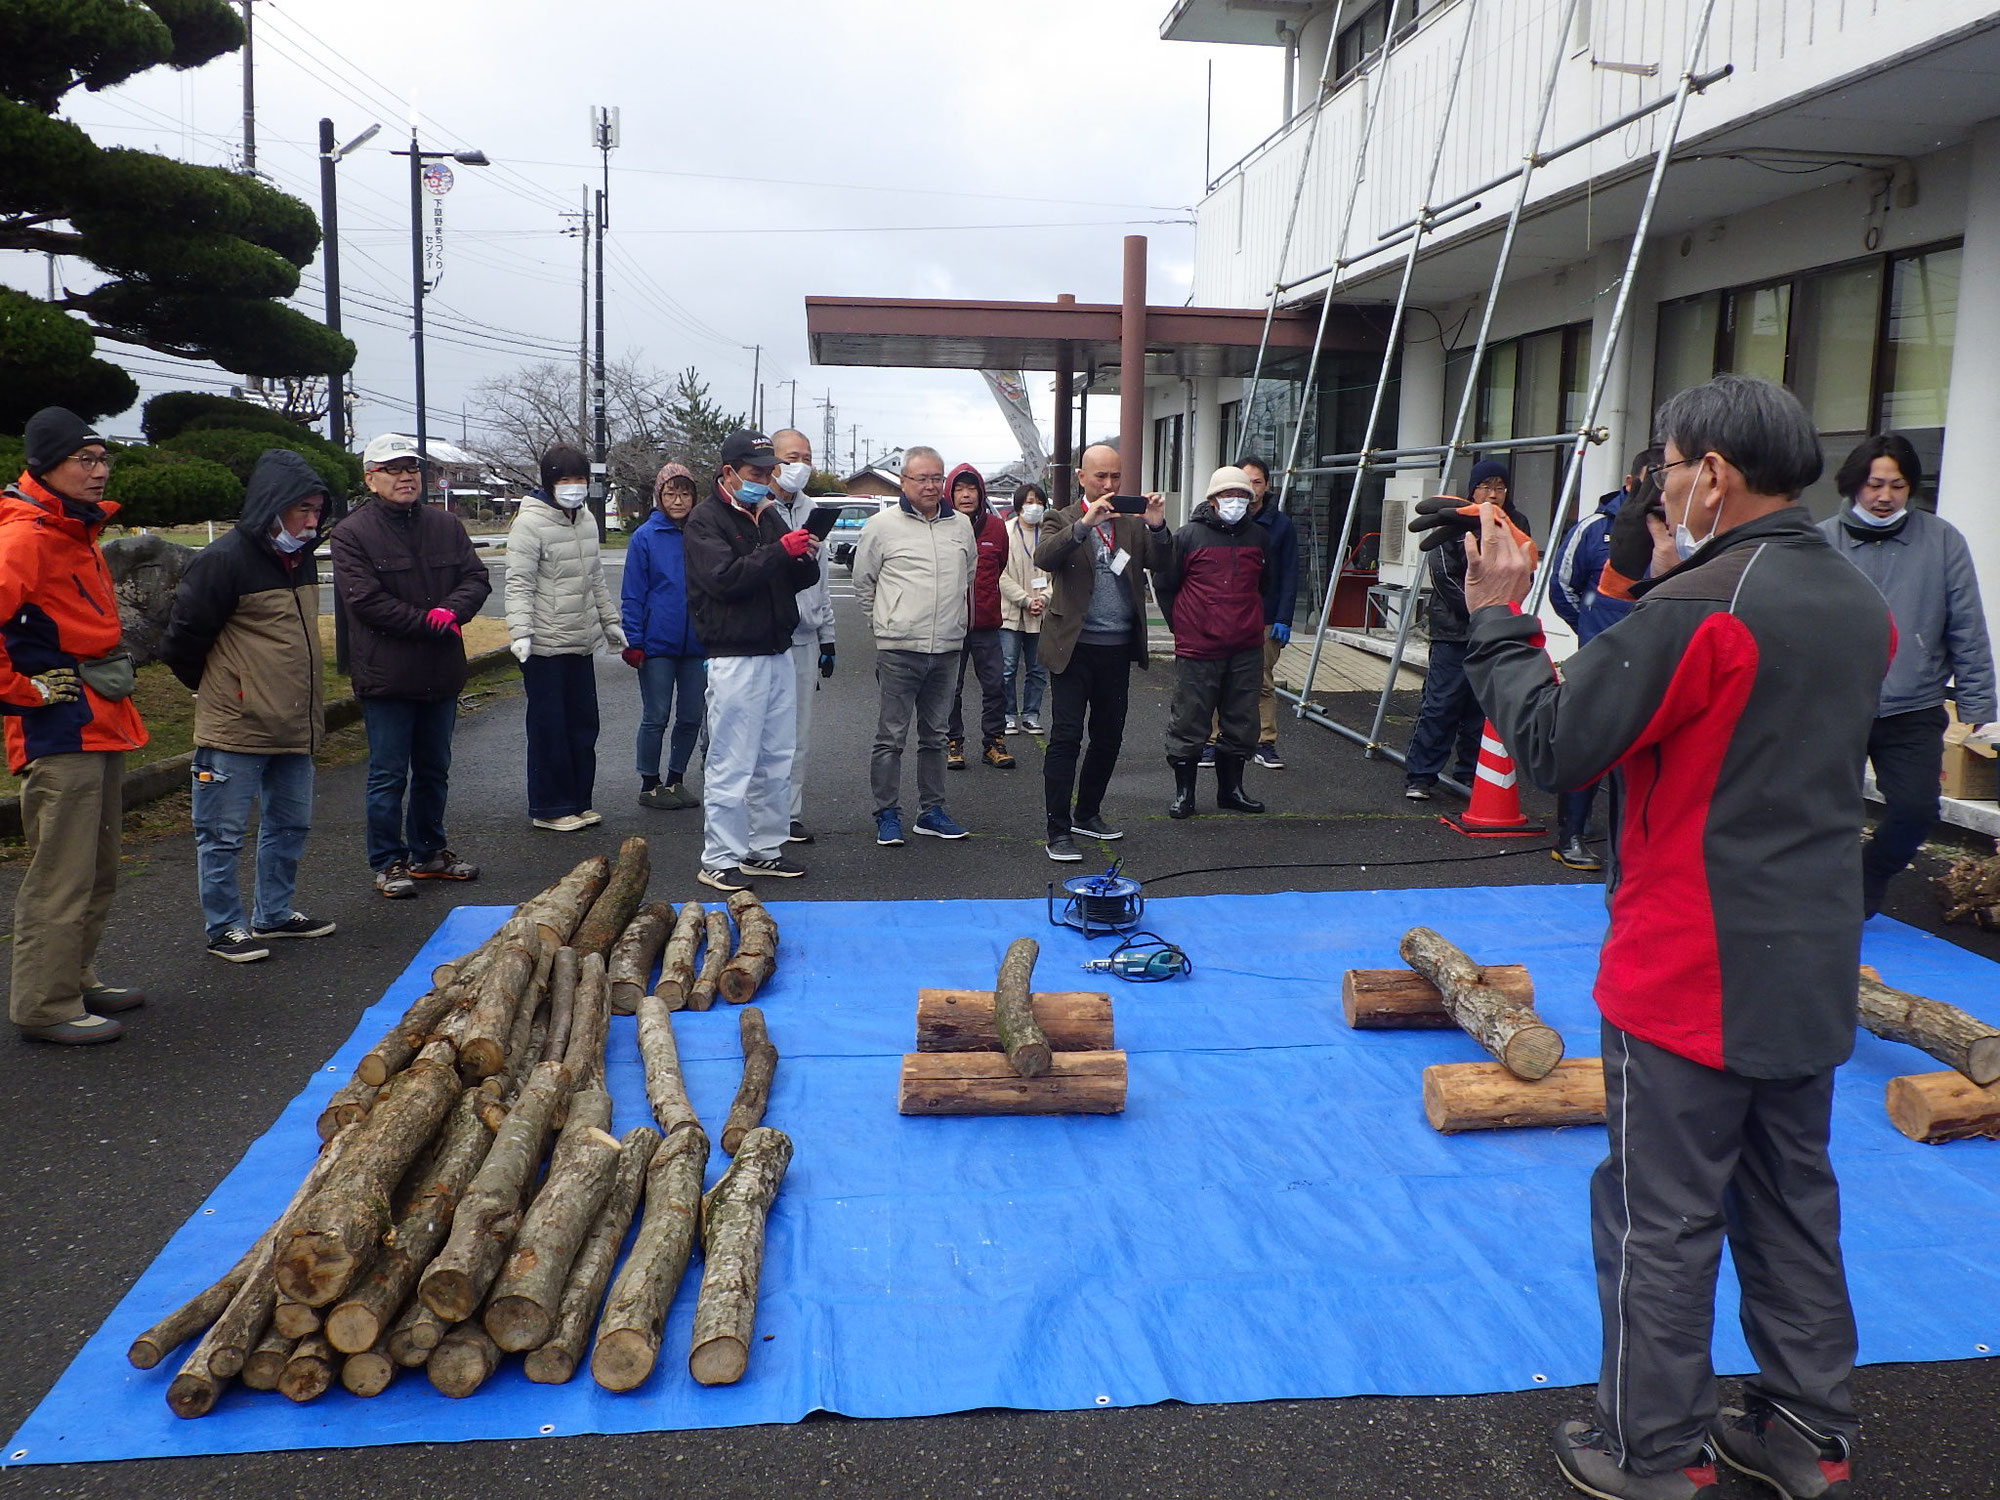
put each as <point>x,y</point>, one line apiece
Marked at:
<point>1985,734</point>
<point>521,648</point>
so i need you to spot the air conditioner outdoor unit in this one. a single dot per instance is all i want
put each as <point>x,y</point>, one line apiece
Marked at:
<point>1395,531</point>
<point>1401,560</point>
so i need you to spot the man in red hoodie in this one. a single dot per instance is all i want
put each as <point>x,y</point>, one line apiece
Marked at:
<point>66,692</point>
<point>982,637</point>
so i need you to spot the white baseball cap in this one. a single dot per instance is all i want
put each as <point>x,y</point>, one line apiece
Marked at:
<point>387,448</point>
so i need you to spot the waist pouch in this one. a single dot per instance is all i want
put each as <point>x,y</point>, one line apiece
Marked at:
<point>109,676</point>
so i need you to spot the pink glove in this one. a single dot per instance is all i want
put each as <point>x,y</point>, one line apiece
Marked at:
<point>633,657</point>
<point>796,543</point>
<point>441,620</point>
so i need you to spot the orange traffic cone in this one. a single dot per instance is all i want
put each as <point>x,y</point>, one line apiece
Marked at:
<point>1495,811</point>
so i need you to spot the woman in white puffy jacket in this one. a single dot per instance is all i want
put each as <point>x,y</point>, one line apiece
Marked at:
<point>559,613</point>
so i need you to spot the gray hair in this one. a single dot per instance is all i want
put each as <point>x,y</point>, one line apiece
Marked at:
<point>1759,427</point>
<point>922,452</point>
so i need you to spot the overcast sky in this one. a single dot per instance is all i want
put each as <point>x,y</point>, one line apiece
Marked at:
<point>768,154</point>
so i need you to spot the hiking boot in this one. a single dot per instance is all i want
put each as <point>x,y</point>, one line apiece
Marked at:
<point>996,756</point>
<point>1062,849</point>
<point>1267,756</point>
<point>1229,794</point>
<point>723,878</point>
<point>395,883</point>
<point>800,834</point>
<point>1186,768</point>
<point>1094,827</point>
<point>1575,854</point>
<point>1583,1453</point>
<point>297,925</point>
<point>443,865</point>
<point>783,869</point>
<point>236,946</point>
<point>938,824</point>
<point>889,828</point>
<point>1769,1443</point>
<point>954,755</point>
<point>86,1030</point>
<point>568,823</point>
<point>111,999</point>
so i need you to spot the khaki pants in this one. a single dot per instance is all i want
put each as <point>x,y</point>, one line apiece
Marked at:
<point>1267,700</point>
<point>72,813</point>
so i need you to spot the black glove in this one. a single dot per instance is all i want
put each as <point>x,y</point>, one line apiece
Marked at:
<point>826,659</point>
<point>1444,517</point>
<point>1630,542</point>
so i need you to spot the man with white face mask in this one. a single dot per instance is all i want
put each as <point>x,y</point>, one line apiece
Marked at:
<point>812,640</point>
<point>1924,569</point>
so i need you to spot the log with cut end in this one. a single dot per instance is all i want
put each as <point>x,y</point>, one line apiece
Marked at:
<point>309,1372</point>
<point>223,1350</point>
<point>628,1335</point>
<point>490,1020</point>
<point>266,1363</point>
<point>617,903</point>
<point>985,1083</point>
<point>753,1094</point>
<point>562,1005</point>
<point>756,955</point>
<point>962,1020</point>
<point>714,954</point>
<point>677,962</point>
<point>336,1234</point>
<point>666,1090</point>
<point>1487,1096</point>
<point>453,1284</point>
<point>560,909</point>
<point>1944,1031</point>
<point>589,1025</point>
<point>732,1257</point>
<point>1403,1000</point>
<point>635,952</point>
<point>1934,1107</point>
<point>462,1360</point>
<point>346,1104</point>
<point>401,1043</point>
<point>1027,1050</point>
<point>369,1372</point>
<point>556,1359</point>
<point>521,1312</point>
<point>416,1332</point>
<point>1510,1031</point>
<point>294,1319</point>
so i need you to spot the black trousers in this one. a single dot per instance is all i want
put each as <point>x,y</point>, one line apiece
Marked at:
<point>1208,692</point>
<point>562,734</point>
<point>1907,751</point>
<point>982,652</point>
<point>1698,1155</point>
<point>1094,685</point>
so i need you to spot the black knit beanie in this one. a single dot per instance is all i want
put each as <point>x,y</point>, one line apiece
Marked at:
<point>52,435</point>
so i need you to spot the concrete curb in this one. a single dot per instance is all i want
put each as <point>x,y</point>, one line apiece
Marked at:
<point>157,779</point>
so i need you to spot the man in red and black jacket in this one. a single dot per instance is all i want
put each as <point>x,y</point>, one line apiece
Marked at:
<point>982,650</point>
<point>1212,589</point>
<point>1731,710</point>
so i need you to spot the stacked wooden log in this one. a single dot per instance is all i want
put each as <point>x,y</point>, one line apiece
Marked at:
<point>1010,1051</point>
<point>1957,1104</point>
<point>1969,891</point>
<point>470,1200</point>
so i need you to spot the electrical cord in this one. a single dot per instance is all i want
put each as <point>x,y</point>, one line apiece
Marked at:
<point>1350,864</point>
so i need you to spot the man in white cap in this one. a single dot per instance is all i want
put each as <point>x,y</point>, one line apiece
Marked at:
<point>409,579</point>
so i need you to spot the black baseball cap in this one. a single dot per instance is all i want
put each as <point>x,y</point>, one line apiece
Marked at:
<point>746,447</point>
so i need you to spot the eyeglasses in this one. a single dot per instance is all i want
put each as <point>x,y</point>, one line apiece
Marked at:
<point>92,461</point>
<point>926,481</point>
<point>1653,472</point>
<point>400,466</point>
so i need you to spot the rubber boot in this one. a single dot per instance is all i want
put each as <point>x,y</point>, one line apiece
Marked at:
<point>1185,771</point>
<point>1229,786</point>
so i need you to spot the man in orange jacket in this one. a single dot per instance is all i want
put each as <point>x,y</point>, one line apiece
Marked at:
<point>66,693</point>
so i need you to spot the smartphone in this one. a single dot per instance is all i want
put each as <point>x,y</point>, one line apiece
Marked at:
<point>1129,505</point>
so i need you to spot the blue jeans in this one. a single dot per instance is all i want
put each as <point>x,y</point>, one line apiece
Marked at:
<point>409,748</point>
<point>1450,715</point>
<point>226,786</point>
<point>1017,646</point>
<point>667,683</point>
<point>562,733</point>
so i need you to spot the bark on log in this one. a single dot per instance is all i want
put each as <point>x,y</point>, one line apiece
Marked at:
<point>714,954</point>
<point>308,1374</point>
<point>962,1020</point>
<point>524,1047</point>
<point>266,1363</point>
<point>1933,1107</point>
<point>338,1231</point>
<point>732,1257</point>
<point>462,1360</point>
<point>521,1313</point>
<point>1027,1050</point>
<point>455,1282</point>
<point>634,954</point>
<point>628,1335</point>
<point>221,1352</point>
<point>346,1104</point>
<point>1970,891</point>
<point>666,1090</point>
<point>1403,1000</point>
<point>399,1045</point>
<point>1944,1031</point>
<point>584,1056</point>
<point>362,1317</point>
<point>559,909</point>
<point>756,954</point>
<point>294,1319</point>
<point>614,908</point>
<point>555,1361</point>
<point>753,1094</point>
<point>417,1332</point>
<point>1511,1032</point>
<point>562,1004</point>
<point>677,962</point>
<point>1486,1096</point>
<point>490,1021</point>
<point>985,1083</point>
<point>369,1372</point>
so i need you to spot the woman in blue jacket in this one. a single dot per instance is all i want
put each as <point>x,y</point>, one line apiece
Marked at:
<point>673,676</point>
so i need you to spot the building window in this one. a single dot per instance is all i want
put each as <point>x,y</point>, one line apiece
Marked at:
<point>1536,385</point>
<point>1230,416</point>
<point>1756,329</point>
<point>1167,452</point>
<point>1361,37</point>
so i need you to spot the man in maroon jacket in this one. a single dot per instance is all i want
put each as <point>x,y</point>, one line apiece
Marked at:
<point>982,649</point>
<point>1731,710</point>
<point>1212,588</point>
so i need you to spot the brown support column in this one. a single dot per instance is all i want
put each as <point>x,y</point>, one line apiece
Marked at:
<point>1132,368</point>
<point>1063,466</point>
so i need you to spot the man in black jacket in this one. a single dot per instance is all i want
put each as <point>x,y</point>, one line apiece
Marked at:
<point>745,567</point>
<point>410,579</point>
<point>244,635</point>
<point>1731,710</point>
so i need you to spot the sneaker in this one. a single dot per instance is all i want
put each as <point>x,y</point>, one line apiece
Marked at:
<point>889,828</point>
<point>996,756</point>
<point>297,925</point>
<point>236,946</point>
<point>668,797</point>
<point>726,878</point>
<point>1769,1443</point>
<point>1062,849</point>
<point>1207,757</point>
<point>800,834</point>
<point>1013,725</point>
<point>1267,756</point>
<point>1583,1453</point>
<point>443,865</point>
<point>569,823</point>
<point>84,1031</point>
<point>1417,792</point>
<point>783,869</point>
<point>954,755</point>
<point>590,818</point>
<point>111,999</point>
<point>937,823</point>
<point>1575,854</point>
<point>1095,827</point>
<point>1030,724</point>
<point>395,882</point>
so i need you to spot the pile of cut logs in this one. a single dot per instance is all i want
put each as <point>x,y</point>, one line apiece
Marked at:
<point>470,1201</point>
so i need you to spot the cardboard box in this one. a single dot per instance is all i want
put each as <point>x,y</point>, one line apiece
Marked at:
<point>1971,767</point>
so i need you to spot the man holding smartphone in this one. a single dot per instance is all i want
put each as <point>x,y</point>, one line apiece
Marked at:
<point>1096,554</point>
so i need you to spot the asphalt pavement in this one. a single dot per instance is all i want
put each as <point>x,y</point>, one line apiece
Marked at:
<point>107,1150</point>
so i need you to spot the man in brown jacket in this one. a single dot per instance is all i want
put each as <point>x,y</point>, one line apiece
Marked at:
<point>1092,632</point>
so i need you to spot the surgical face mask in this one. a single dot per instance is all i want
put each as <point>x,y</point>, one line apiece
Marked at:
<point>750,492</point>
<point>1869,518</point>
<point>286,542</point>
<point>1031,515</point>
<point>1232,508</point>
<point>792,477</point>
<point>570,496</point>
<point>1686,543</point>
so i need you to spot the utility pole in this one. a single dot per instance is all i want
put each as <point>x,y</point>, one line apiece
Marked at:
<point>604,129</point>
<point>794,423</point>
<point>756,378</point>
<point>249,97</point>
<point>854,446</point>
<point>760,407</point>
<point>582,233</point>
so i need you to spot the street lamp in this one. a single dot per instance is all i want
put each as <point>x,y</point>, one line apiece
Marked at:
<point>336,386</point>
<point>418,156</point>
